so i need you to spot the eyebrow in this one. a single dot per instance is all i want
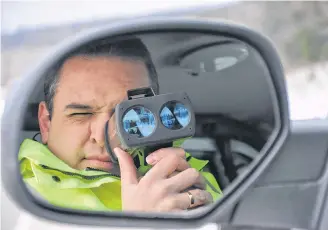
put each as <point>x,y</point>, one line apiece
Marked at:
<point>83,107</point>
<point>78,106</point>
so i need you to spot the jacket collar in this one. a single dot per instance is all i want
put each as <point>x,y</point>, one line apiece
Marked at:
<point>40,154</point>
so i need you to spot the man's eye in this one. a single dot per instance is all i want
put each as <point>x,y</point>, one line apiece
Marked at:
<point>80,114</point>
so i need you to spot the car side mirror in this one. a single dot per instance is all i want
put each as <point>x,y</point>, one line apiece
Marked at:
<point>233,79</point>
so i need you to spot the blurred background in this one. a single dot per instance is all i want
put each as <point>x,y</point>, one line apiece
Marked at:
<point>298,29</point>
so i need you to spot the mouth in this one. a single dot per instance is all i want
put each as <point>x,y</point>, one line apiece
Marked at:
<point>103,158</point>
<point>100,163</point>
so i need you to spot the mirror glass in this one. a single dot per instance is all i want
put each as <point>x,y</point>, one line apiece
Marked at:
<point>156,122</point>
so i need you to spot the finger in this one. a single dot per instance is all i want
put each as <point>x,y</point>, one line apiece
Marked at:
<point>186,179</point>
<point>127,167</point>
<point>201,185</point>
<point>159,155</point>
<point>201,197</point>
<point>156,156</point>
<point>182,201</point>
<point>165,167</point>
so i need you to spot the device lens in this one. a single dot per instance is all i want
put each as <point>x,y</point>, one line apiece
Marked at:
<point>139,121</point>
<point>175,115</point>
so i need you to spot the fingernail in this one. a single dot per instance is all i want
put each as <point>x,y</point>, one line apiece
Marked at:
<point>150,159</point>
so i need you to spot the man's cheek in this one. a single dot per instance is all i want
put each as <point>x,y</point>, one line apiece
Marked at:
<point>64,137</point>
<point>77,137</point>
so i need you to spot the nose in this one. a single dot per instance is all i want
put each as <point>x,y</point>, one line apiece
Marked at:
<point>97,135</point>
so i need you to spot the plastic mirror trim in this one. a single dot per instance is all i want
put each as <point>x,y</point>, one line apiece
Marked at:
<point>16,104</point>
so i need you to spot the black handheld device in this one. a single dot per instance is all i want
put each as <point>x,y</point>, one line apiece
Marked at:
<point>149,121</point>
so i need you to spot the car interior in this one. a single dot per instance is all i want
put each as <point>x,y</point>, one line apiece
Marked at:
<point>222,76</point>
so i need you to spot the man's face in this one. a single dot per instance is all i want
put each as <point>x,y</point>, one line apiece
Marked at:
<point>88,91</point>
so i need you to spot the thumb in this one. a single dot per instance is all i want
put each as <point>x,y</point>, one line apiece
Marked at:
<point>127,167</point>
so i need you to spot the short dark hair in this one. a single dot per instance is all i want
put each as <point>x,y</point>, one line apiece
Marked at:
<point>131,49</point>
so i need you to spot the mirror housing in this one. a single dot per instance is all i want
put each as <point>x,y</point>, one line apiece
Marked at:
<point>15,107</point>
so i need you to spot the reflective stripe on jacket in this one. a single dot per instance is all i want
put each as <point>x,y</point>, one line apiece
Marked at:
<point>64,186</point>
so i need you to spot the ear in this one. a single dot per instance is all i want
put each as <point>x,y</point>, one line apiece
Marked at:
<point>44,121</point>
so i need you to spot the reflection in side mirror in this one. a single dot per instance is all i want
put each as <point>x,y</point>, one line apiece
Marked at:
<point>90,87</point>
<point>174,147</point>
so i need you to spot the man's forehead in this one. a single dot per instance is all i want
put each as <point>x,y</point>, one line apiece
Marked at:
<point>97,78</point>
<point>103,64</point>
<point>108,69</point>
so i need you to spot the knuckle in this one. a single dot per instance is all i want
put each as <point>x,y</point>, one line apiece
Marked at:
<point>167,205</point>
<point>174,158</point>
<point>169,187</point>
<point>194,173</point>
<point>170,203</point>
<point>162,189</point>
<point>180,152</point>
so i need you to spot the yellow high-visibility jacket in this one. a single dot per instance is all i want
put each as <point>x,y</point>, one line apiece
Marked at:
<point>64,186</point>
